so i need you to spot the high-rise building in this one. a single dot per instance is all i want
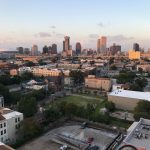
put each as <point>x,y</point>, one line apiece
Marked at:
<point>66,43</point>
<point>103,42</point>
<point>34,50</point>
<point>78,48</point>
<point>45,50</point>
<point>114,49</point>
<point>54,49</point>
<point>98,45</point>
<point>136,47</point>
<point>26,51</point>
<point>20,50</point>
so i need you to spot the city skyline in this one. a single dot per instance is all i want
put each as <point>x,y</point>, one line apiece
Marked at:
<point>43,23</point>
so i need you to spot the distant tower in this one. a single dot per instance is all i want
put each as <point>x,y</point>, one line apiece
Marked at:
<point>34,50</point>
<point>114,49</point>
<point>78,48</point>
<point>54,49</point>
<point>98,46</point>
<point>136,47</point>
<point>66,43</point>
<point>20,50</point>
<point>103,42</point>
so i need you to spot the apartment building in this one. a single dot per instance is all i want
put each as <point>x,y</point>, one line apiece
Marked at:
<point>98,83</point>
<point>9,124</point>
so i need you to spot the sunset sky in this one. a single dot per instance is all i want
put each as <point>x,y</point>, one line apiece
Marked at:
<point>43,22</point>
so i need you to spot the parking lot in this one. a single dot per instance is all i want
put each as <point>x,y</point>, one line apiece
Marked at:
<point>74,136</point>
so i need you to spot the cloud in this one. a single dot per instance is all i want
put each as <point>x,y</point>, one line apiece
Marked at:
<point>120,37</point>
<point>100,24</point>
<point>43,34</point>
<point>93,36</point>
<point>53,27</point>
<point>59,35</point>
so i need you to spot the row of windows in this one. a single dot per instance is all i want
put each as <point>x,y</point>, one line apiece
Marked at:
<point>17,119</point>
<point>3,125</point>
<point>3,132</point>
<point>17,126</point>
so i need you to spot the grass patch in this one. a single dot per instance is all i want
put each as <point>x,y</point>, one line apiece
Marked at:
<point>80,100</point>
<point>120,123</point>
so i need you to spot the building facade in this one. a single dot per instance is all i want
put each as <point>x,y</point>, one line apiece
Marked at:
<point>98,83</point>
<point>9,124</point>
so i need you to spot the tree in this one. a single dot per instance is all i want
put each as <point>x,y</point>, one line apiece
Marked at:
<point>51,114</point>
<point>77,75</point>
<point>30,64</point>
<point>30,128</point>
<point>113,67</point>
<point>28,106</point>
<point>142,110</point>
<point>41,62</point>
<point>26,76</point>
<point>110,106</point>
<point>5,92</point>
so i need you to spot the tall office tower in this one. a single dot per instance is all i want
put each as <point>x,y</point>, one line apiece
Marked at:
<point>66,43</point>
<point>98,45</point>
<point>136,47</point>
<point>114,49</point>
<point>103,42</point>
<point>45,50</point>
<point>20,50</point>
<point>26,51</point>
<point>78,48</point>
<point>54,49</point>
<point>34,50</point>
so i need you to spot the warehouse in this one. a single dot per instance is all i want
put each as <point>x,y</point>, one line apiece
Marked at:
<point>127,100</point>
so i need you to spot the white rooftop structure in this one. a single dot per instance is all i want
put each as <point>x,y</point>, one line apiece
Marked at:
<point>139,135</point>
<point>131,94</point>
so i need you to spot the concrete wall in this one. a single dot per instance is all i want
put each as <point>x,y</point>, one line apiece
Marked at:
<point>123,102</point>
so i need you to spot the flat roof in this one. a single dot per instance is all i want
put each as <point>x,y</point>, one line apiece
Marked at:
<point>139,135</point>
<point>131,94</point>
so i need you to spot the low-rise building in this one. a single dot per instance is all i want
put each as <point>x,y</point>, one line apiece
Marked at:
<point>98,83</point>
<point>134,54</point>
<point>9,124</point>
<point>144,67</point>
<point>127,100</point>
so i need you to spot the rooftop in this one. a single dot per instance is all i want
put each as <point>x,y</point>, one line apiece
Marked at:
<point>139,135</point>
<point>131,94</point>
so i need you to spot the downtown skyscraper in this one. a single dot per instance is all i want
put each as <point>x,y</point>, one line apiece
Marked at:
<point>102,45</point>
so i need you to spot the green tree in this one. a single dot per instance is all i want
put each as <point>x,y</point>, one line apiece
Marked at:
<point>110,106</point>
<point>142,109</point>
<point>51,114</point>
<point>30,64</point>
<point>30,128</point>
<point>5,92</point>
<point>27,76</point>
<point>77,75</point>
<point>28,106</point>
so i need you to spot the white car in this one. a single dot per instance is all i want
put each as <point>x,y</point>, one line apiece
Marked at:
<point>64,147</point>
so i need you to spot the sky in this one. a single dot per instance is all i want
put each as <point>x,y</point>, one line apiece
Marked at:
<point>43,22</point>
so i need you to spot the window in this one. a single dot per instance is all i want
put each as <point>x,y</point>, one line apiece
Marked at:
<point>1,125</point>
<point>15,119</point>
<point>5,131</point>
<point>4,124</point>
<point>1,132</point>
<point>16,126</point>
<point>18,119</point>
